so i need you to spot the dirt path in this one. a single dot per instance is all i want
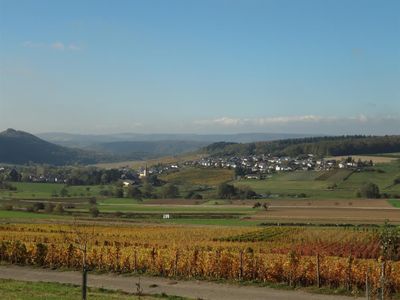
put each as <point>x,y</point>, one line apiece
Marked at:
<point>154,285</point>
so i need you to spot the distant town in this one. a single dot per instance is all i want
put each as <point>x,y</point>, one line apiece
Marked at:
<point>256,167</point>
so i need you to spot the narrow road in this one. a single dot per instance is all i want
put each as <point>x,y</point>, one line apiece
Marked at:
<point>155,285</point>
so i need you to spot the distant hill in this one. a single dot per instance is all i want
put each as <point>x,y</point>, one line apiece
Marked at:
<point>320,146</point>
<point>147,149</point>
<point>90,140</point>
<point>135,146</point>
<point>19,147</point>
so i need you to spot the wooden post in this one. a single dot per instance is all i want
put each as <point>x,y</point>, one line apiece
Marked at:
<point>84,282</point>
<point>84,273</point>
<point>350,261</point>
<point>135,262</point>
<point>241,266</point>
<point>383,280</point>
<point>318,272</point>
<point>367,287</point>
<point>176,263</point>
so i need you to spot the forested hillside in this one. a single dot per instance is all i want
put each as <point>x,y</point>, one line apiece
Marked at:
<point>19,147</point>
<point>320,146</point>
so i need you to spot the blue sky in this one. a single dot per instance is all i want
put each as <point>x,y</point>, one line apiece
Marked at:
<point>306,66</point>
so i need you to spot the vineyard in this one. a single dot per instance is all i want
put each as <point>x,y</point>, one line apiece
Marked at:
<point>330,257</point>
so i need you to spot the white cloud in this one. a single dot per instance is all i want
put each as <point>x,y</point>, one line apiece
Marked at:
<point>29,44</point>
<point>227,121</point>
<point>55,45</point>
<point>58,46</point>
<point>224,121</point>
<point>288,120</point>
<point>74,47</point>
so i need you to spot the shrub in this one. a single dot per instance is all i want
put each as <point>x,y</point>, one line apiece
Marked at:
<point>49,207</point>
<point>64,192</point>
<point>40,255</point>
<point>59,209</point>
<point>226,191</point>
<point>170,191</point>
<point>8,207</point>
<point>193,195</point>
<point>38,206</point>
<point>94,211</point>
<point>197,197</point>
<point>189,195</point>
<point>133,192</point>
<point>369,190</point>
<point>119,192</point>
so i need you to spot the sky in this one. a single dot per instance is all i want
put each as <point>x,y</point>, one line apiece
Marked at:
<point>199,66</point>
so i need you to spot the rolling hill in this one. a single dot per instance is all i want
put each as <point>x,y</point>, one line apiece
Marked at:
<point>19,147</point>
<point>147,149</point>
<point>90,140</point>
<point>320,146</point>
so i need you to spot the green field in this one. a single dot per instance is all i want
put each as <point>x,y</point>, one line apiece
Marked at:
<point>174,208</point>
<point>395,202</point>
<point>28,190</point>
<point>315,185</point>
<point>22,290</point>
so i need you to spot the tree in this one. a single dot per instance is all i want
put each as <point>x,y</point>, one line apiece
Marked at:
<point>266,206</point>
<point>64,192</point>
<point>247,193</point>
<point>369,190</point>
<point>14,175</point>
<point>170,191</point>
<point>148,189</point>
<point>25,177</point>
<point>240,171</point>
<point>226,191</point>
<point>133,192</point>
<point>82,237</point>
<point>49,207</point>
<point>59,209</point>
<point>390,241</point>
<point>94,211</point>
<point>38,206</point>
<point>119,192</point>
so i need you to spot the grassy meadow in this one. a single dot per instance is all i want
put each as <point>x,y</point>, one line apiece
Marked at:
<point>23,290</point>
<point>336,184</point>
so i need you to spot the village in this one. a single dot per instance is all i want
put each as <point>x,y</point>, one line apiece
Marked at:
<point>248,167</point>
<point>257,166</point>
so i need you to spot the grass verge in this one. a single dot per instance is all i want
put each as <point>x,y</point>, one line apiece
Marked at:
<point>22,290</point>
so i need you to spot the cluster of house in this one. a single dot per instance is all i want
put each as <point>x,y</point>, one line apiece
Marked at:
<point>253,165</point>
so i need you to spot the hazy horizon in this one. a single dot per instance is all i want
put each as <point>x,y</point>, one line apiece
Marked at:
<point>200,67</point>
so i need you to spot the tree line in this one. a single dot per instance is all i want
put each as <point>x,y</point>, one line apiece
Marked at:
<point>319,146</point>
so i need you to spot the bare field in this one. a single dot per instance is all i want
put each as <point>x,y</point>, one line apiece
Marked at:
<point>381,203</point>
<point>135,164</point>
<point>329,215</point>
<point>176,201</point>
<point>375,159</point>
